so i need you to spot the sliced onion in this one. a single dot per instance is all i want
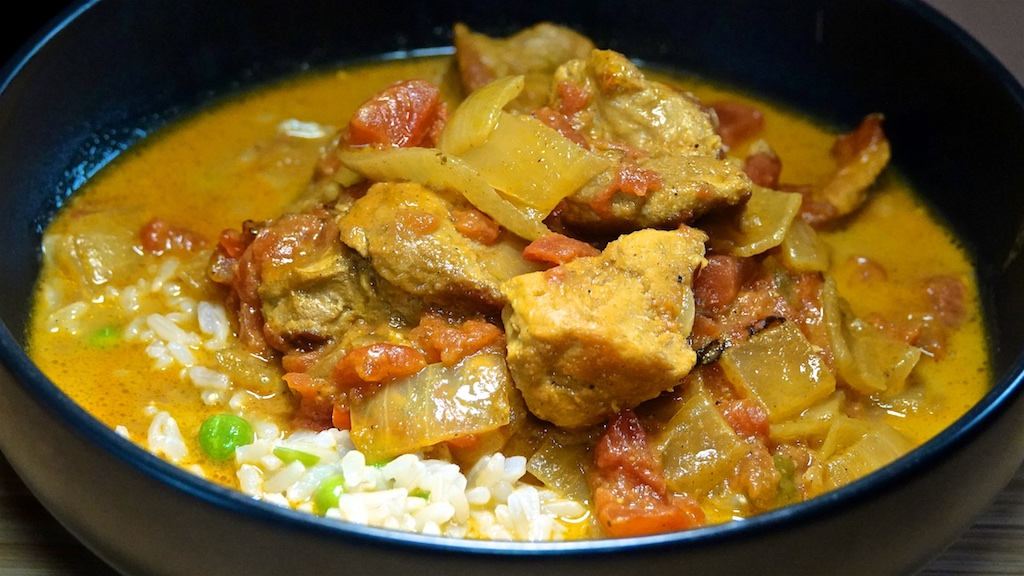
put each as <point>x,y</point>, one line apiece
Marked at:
<point>474,120</point>
<point>434,405</point>
<point>758,226</point>
<point>435,169</point>
<point>531,162</point>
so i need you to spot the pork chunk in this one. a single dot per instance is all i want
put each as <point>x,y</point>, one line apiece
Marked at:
<point>323,291</point>
<point>600,334</point>
<point>409,235</point>
<point>651,131</point>
<point>534,52</point>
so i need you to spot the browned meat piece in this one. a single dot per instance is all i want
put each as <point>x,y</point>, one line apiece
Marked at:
<point>668,159</point>
<point>295,287</point>
<point>323,291</point>
<point>861,156</point>
<point>329,295</point>
<point>600,334</point>
<point>534,52</point>
<point>409,235</point>
<point>621,105</point>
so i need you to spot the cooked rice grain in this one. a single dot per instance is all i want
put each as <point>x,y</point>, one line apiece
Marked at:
<point>409,493</point>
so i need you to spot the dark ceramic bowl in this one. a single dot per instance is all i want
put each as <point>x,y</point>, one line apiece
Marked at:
<point>109,70</point>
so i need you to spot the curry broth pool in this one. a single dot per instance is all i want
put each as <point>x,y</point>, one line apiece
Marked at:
<point>101,296</point>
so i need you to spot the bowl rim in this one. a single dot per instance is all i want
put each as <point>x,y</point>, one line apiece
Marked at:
<point>980,416</point>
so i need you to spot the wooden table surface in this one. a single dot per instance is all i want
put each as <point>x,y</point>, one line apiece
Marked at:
<point>33,543</point>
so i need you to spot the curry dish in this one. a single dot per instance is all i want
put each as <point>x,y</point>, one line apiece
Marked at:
<point>526,291</point>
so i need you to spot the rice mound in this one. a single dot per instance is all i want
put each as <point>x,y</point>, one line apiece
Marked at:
<point>409,493</point>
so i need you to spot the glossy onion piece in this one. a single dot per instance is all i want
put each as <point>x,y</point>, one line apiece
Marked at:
<point>439,171</point>
<point>780,369</point>
<point>757,226</point>
<point>865,358</point>
<point>560,466</point>
<point>434,405</point>
<point>474,120</point>
<point>699,448</point>
<point>814,423</point>
<point>518,155</point>
<point>855,448</point>
<point>98,255</point>
<point>881,362</point>
<point>802,250</point>
<point>533,163</point>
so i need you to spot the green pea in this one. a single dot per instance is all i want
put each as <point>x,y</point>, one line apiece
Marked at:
<point>787,491</point>
<point>105,338</point>
<point>328,492</point>
<point>220,434</point>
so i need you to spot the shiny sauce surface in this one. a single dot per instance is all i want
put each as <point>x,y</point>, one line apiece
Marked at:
<point>227,164</point>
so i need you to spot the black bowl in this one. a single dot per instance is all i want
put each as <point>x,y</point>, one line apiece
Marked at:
<point>109,71</point>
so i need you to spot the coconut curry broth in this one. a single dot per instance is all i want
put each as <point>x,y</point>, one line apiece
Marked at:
<point>242,161</point>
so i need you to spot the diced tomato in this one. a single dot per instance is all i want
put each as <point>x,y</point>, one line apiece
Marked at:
<point>449,343</point>
<point>298,361</point>
<point>757,477</point>
<point>159,236</point>
<point>225,255</point>
<point>737,122</point>
<point>417,222</point>
<point>868,133</point>
<point>559,123</point>
<point>476,225</point>
<point>714,380</point>
<point>341,418</point>
<point>377,363</point>
<point>704,329</point>
<point>630,494</point>
<point>572,98</point>
<point>555,248</point>
<point>719,282</point>
<point>316,405</point>
<point>326,166</point>
<point>630,179</point>
<point>817,213</point>
<point>946,297</point>
<point>629,151</point>
<point>637,181</point>
<point>866,269</point>
<point>556,275</point>
<point>405,114</point>
<point>764,169</point>
<point>747,417</point>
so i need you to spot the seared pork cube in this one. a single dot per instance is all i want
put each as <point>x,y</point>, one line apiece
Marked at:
<point>411,237</point>
<point>600,334</point>
<point>668,161</point>
<point>534,52</point>
<point>323,291</point>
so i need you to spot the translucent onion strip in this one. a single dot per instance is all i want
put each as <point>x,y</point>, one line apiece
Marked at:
<point>475,118</point>
<point>439,171</point>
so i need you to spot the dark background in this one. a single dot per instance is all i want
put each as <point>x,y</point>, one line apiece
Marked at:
<point>18,25</point>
